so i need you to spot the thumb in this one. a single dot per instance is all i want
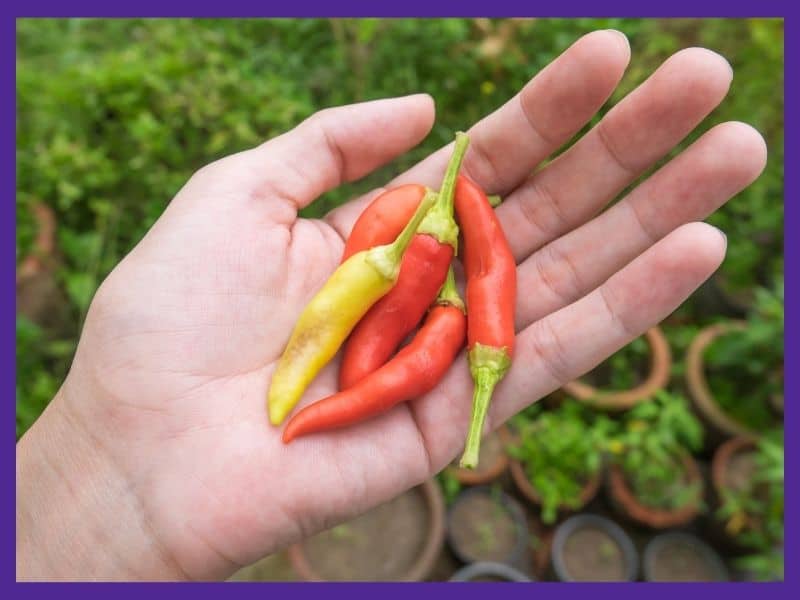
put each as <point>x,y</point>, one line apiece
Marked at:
<point>332,146</point>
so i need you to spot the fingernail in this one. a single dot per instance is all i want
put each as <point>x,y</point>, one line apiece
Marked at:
<point>622,35</point>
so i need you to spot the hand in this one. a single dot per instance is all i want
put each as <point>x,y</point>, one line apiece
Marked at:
<point>156,459</point>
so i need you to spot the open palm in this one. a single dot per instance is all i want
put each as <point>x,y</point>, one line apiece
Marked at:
<point>176,356</point>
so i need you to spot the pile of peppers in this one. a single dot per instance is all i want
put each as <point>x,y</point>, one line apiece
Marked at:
<point>396,272</point>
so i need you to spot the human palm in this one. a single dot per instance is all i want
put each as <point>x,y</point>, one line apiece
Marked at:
<point>173,367</point>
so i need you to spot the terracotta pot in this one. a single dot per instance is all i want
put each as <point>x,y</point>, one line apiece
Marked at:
<point>488,470</point>
<point>660,362</point>
<point>679,556</point>
<point>489,571</point>
<point>629,507</point>
<point>722,460</point>
<point>420,557</point>
<point>582,560</point>
<point>721,478</point>
<point>476,506</point>
<point>523,484</point>
<point>699,391</point>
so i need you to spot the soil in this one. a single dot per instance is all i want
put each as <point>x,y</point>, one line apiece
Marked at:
<point>741,469</point>
<point>491,451</point>
<point>590,554</point>
<point>483,529</point>
<point>682,561</point>
<point>358,550</point>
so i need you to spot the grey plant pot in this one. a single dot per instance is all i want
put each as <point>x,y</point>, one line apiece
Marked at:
<point>660,543</point>
<point>585,521</point>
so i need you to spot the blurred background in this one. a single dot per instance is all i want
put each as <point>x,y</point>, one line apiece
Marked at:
<point>664,463</point>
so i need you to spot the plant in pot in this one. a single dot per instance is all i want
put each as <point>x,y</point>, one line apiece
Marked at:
<point>631,375</point>
<point>558,456</point>
<point>588,547</point>
<point>749,480</point>
<point>653,479</point>
<point>734,369</point>
<point>396,541</point>
<point>485,524</point>
<point>681,556</point>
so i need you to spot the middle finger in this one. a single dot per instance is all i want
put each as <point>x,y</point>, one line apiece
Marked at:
<point>642,128</point>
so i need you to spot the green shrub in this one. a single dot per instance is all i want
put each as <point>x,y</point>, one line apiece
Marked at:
<point>745,368</point>
<point>114,115</point>
<point>560,451</point>
<point>754,514</point>
<point>650,446</point>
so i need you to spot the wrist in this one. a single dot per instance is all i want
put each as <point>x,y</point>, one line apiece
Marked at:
<point>77,516</point>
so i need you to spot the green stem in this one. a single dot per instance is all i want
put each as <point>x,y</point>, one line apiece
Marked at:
<point>439,222</point>
<point>449,292</point>
<point>488,366</point>
<point>387,258</point>
<point>448,189</point>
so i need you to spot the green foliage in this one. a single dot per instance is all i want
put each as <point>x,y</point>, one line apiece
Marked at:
<point>114,115</point>
<point>745,368</point>
<point>754,514</point>
<point>37,359</point>
<point>764,566</point>
<point>650,446</point>
<point>451,486</point>
<point>561,450</point>
<point>624,369</point>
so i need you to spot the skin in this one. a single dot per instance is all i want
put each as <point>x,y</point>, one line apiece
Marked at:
<point>156,460</point>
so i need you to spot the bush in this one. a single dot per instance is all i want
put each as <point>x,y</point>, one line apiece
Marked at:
<point>114,115</point>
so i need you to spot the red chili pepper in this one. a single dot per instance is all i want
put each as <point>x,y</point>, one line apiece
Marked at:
<point>422,274</point>
<point>491,293</point>
<point>384,218</point>
<point>414,371</point>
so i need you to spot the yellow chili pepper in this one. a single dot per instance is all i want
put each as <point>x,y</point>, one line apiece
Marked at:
<point>328,319</point>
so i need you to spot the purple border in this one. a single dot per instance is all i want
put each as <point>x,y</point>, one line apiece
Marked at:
<point>408,8</point>
<point>582,8</point>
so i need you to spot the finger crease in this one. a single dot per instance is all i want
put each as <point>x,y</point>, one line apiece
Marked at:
<point>487,165</point>
<point>651,236</point>
<point>557,257</point>
<point>532,124</point>
<point>547,346</point>
<point>612,151</point>
<point>530,210</point>
<point>337,154</point>
<point>421,435</point>
<point>614,314</point>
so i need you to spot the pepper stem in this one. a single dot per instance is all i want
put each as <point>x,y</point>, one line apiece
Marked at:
<point>449,292</point>
<point>386,259</point>
<point>448,189</point>
<point>488,366</point>
<point>439,222</point>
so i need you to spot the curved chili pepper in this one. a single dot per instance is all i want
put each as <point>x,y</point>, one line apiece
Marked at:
<point>332,313</point>
<point>384,218</point>
<point>422,274</point>
<point>414,371</point>
<point>491,298</point>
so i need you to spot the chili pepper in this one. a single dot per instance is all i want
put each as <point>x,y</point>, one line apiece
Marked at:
<point>384,218</point>
<point>414,371</point>
<point>332,313</point>
<point>422,274</point>
<point>491,296</point>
